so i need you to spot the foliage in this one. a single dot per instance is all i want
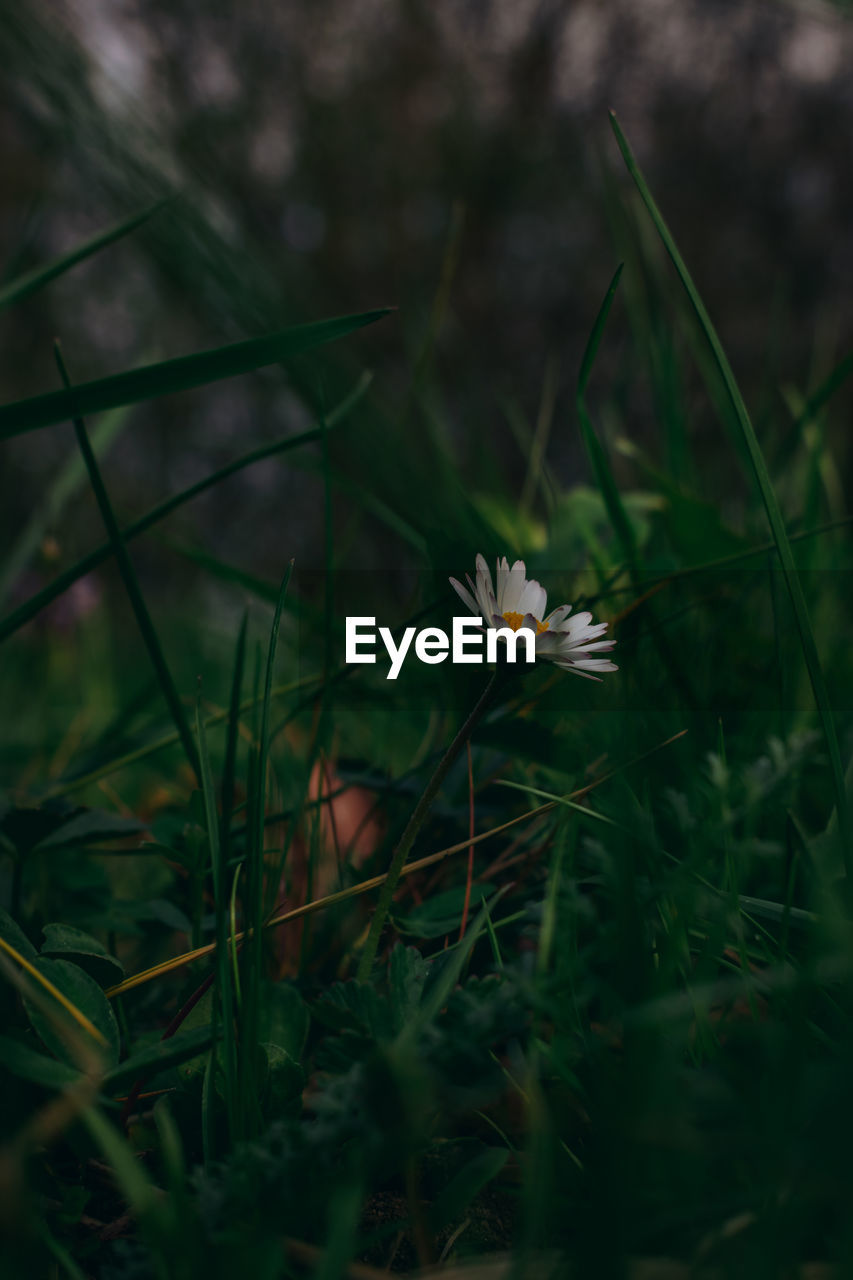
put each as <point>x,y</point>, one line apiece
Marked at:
<point>619,1028</point>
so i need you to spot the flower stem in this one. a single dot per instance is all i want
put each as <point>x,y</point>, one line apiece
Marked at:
<point>414,825</point>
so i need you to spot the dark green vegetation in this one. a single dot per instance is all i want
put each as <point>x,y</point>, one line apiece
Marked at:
<point>618,1030</point>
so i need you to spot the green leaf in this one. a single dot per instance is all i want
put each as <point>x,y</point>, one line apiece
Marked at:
<point>25,285</point>
<point>170,376</point>
<point>12,933</point>
<point>90,827</point>
<point>286,1018</point>
<point>407,975</point>
<point>442,983</point>
<point>87,996</point>
<point>28,1064</point>
<point>281,1083</point>
<point>354,1006</point>
<point>201,1015</point>
<point>778,911</point>
<point>439,914</point>
<point>467,1183</point>
<point>68,943</point>
<point>225,572</point>
<point>25,828</point>
<point>159,1057</point>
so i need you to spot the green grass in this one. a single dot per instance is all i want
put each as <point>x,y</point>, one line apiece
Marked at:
<point>243,1026</point>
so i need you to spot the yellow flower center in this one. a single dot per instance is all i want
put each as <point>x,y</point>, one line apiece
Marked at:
<point>514,620</point>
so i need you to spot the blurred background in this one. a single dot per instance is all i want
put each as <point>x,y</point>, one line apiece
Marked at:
<point>689,1025</point>
<point>454,160</point>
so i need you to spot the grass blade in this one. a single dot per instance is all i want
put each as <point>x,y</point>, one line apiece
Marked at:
<point>218,831</point>
<point>595,450</point>
<point>560,800</point>
<point>25,612</point>
<point>825,391</point>
<point>263,741</point>
<point>71,785</point>
<point>45,516</point>
<point>375,882</point>
<point>229,767</point>
<point>22,286</point>
<point>158,1057</point>
<point>61,1255</point>
<point>131,582</point>
<point>771,505</point>
<point>225,571</point>
<point>597,333</point>
<point>181,374</point>
<point>617,514</point>
<point>254,902</point>
<point>437,995</point>
<point>143,1198</point>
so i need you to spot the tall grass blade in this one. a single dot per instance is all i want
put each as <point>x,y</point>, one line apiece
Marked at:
<point>771,505</point>
<point>131,582</point>
<point>595,450</point>
<point>536,478</point>
<point>142,1196</point>
<point>160,744</point>
<point>223,972</point>
<point>616,511</point>
<point>181,374</point>
<point>61,1255</point>
<point>219,847</point>
<point>263,745</point>
<point>45,516</point>
<point>229,768</point>
<point>827,389</point>
<point>565,801</point>
<point>253,952</point>
<point>28,610</point>
<point>25,285</point>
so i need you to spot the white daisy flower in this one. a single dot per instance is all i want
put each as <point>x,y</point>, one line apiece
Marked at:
<point>519,602</point>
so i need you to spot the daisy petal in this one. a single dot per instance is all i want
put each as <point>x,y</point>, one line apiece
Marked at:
<point>513,584</point>
<point>533,599</point>
<point>557,615</point>
<point>568,640</point>
<point>464,595</point>
<point>548,642</point>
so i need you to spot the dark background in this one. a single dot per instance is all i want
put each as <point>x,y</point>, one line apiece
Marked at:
<point>323,154</point>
